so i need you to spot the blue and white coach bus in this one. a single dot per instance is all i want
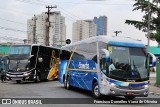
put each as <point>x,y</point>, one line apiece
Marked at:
<point>106,65</point>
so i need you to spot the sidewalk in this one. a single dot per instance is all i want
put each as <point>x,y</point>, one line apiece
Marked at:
<point>152,88</point>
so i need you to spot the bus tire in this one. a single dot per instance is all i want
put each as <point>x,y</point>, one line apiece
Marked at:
<point>95,91</point>
<point>66,84</point>
<point>129,97</point>
<point>18,81</point>
<point>37,78</point>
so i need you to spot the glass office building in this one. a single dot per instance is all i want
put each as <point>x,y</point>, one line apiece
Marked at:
<point>101,25</point>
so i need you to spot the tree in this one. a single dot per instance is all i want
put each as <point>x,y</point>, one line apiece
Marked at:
<point>155,18</point>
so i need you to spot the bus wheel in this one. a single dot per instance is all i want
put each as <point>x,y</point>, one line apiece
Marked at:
<point>18,81</point>
<point>37,78</point>
<point>95,91</point>
<point>66,83</point>
<point>129,97</point>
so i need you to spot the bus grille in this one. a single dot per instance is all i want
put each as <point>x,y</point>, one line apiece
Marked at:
<point>130,88</point>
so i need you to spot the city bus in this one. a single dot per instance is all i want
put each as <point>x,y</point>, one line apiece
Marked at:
<point>106,65</point>
<point>32,63</point>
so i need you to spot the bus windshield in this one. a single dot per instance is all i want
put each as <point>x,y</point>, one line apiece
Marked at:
<point>20,50</point>
<point>19,65</point>
<point>128,64</point>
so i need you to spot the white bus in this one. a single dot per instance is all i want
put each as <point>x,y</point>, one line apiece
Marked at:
<point>106,65</point>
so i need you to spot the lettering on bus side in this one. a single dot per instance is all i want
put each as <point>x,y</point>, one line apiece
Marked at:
<point>83,66</point>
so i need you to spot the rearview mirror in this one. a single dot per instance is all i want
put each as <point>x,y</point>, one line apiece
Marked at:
<point>153,59</point>
<point>30,56</point>
<point>106,55</point>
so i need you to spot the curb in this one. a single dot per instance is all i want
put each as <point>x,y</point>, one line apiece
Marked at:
<point>153,93</point>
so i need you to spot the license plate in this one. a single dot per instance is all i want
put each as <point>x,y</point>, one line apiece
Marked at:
<point>16,78</point>
<point>130,93</point>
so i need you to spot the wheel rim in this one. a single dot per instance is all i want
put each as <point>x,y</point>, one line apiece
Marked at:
<point>64,83</point>
<point>67,83</point>
<point>96,92</point>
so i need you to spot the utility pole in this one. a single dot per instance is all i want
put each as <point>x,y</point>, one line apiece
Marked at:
<point>34,30</point>
<point>149,22</point>
<point>116,32</point>
<point>47,36</point>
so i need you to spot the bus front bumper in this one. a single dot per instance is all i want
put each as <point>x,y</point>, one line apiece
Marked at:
<point>130,91</point>
<point>18,77</point>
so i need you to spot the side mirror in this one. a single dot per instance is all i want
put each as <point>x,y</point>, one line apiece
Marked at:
<point>106,54</point>
<point>40,59</point>
<point>153,57</point>
<point>30,57</point>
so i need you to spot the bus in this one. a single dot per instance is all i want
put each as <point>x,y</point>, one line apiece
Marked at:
<point>106,65</point>
<point>32,63</point>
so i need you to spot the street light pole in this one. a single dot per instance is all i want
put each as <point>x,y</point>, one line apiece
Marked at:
<point>116,32</point>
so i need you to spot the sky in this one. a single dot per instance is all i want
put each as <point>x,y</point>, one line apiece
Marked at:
<point>14,15</point>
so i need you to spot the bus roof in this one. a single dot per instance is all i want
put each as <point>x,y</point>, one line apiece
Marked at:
<point>35,45</point>
<point>111,40</point>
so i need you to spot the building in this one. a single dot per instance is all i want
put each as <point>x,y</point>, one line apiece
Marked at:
<point>57,30</point>
<point>83,29</point>
<point>37,29</point>
<point>101,25</point>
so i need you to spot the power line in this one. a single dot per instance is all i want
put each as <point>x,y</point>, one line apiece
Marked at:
<point>45,3</point>
<point>17,30</point>
<point>12,21</point>
<point>26,1</point>
<point>13,11</point>
<point>61,9</point>
<point>69,18</point>
<point>66,12</point>
<point>12,29</point>
<point>5,37</point>
<point>89,3</point>
<point>69,13</point>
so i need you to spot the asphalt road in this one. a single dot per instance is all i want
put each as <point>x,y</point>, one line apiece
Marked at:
<point>53,89</point>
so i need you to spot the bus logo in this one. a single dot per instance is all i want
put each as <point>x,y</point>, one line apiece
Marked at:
<point>83,66</point>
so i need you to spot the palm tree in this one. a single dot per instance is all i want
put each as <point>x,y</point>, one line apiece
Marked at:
<point>155,18</point>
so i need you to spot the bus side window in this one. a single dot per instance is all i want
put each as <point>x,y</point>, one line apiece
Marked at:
<point>104,66</point>
<point>95,59</point>
<point>107,69</point>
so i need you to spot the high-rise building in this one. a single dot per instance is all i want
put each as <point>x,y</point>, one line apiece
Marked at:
<point>37,29</point>
<point>101,25</point>
<point>83,29</point>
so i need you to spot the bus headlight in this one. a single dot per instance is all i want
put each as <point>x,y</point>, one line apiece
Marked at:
<point>26,73</point>
<point>146,86</point>
<point>7,75</point>
<point>113,85</point>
